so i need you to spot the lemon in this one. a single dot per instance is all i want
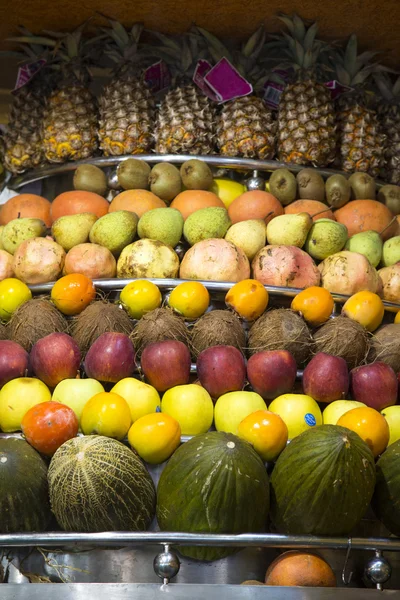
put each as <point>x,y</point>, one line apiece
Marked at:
<point>13,293</point>
<point>233,407</point>
<point>190,299</point>
<point>191,406</point>
<point>337,409</point>
<point>392,416</point>
<point>17,397</point>
<point>140,297</point>
<point>298,411</point>
<point>106,414</point>
<point>397,317</point>
<point>141,397</point>
<point>155,437</point>
<point>227,190</point>
<point>366,308</point>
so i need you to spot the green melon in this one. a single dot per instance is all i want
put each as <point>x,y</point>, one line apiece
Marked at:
<point>98,484</point>
<point>386,499</point>
<point>24,500</point>
<point>322,483</point>
<point>214,483</point>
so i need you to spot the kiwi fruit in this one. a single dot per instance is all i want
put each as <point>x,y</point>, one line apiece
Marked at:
<point>283,185</point>
<point>390,195</point>
<point>133,174</point>
<point>196,175</point>
<point>337,191</point>
<point>90,179</point>
<point>165,181</point>
<point>363,186</point>
<point>310,185</point>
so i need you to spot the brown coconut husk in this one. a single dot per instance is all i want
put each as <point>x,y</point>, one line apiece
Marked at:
<point>157,326</point>
<point>385,346</point>
<point>218,328</point>
<point>282,329</point>
<point>34,320</point>
<point>343,337</point>
<point>98,318</point>
<point>3,332</point>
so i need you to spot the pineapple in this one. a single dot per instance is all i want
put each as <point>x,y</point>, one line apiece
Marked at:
<point>306,119</point>
<point>360,140</point>
<point>126,104</point>
<point>389,117</point>
<point>70,120</point>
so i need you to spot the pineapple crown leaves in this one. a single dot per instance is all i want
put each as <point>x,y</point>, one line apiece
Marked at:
<point>122,46</point>
<point>31,47</point>
<point>389,91</point>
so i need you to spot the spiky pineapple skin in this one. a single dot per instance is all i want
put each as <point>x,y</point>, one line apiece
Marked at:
<point>246,127</point>
<point>70,124</point>
<point>185,122</point>
<point>389,117</point>
<point>306,124</point>
<point>126,117</point>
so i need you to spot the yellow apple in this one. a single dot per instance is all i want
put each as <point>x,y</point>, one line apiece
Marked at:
<point>392,416</point>
<point>141,397</point>
<point>335,410</point>
<point>232,408</point>
<point>17,397</point>
<point>298,411</point>
<point>76,392</point>
<point>191,406</point>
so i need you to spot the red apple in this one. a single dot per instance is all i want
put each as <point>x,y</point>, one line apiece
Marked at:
<point>110,358</point>
<point>54,358</point>
<point>272,373</point>
<point>375,385</point>
<point>326,378</point>
<point>166,364</point>
<point>221,369</point>
<point>14,361</point>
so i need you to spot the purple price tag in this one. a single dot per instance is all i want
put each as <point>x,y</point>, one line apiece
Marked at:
<point>27,72</point>
<point>157,76</point>
<point>226,81</point>
<point>337,89</point>
<point>202,68</point>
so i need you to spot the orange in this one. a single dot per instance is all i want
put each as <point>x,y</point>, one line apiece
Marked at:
<point>155,437</point>
<point>248,298</point>
<point>137,201</point>
<point>106,414</point>
<point>312,207</point>
<point>370,425</point>
<point>296,568</point>
<point>267,433</point>
<point>315,304</point>
<point>397,317</point>
<point>189,201</point>
<point>76,202</point>
<point>26,205</point>
<point>189,299</point>
<point>366,215</point>
<point>255,204</point>
<point>73,293</point>
<point>366,308</point>
<point>140,297</point>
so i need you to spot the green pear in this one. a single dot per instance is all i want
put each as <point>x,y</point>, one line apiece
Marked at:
<point>205,224</point>
<point>162,224</point>
<point>369,243</point>
<point>289,230</point>
<point>326,237</point>
<point>1,234</point>
<point>249,235</point>
<point>19,230</point>
<point>391,251</point>
<point>71,230</point>
<point>115,231</point>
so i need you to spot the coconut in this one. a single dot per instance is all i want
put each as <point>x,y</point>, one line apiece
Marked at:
<point>159,325</point>
<point>218,328</point>
<point>343,337</point>
<point>98,318</point>
<point>281,329</point>
<point>3,332</point>
<point>34,320</point>
<point>385,346</point>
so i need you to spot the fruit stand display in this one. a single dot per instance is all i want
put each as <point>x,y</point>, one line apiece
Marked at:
<point>200,318</point>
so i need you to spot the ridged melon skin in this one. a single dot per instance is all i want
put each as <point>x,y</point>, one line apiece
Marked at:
<point>98,484</point>
<point>214,483</point>
<point>322,482</point>
<point>24,495</point>
<point>386,499</point>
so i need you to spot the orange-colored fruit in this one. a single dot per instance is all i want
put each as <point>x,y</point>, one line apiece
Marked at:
<point>370,425</point>
<point>137,201</point>
<point>397,317</point>
<point>296,568</point>
<point>315,304</point>
<point>255,205</point>
<point>73,293</point>
<point>26,205</point>
<point>189,201</point>
<point>106,414</point>
<point>155,437</point>
<point>77,202</point>
<point>366,308</point>
<point>48,425</point>
<point>248,298</point>
<point>267,433</point>
<point>312,207</point>
<point>189,299</point>
<point>366,215</point>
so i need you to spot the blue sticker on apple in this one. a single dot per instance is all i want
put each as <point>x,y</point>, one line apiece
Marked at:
<point>310,420</point>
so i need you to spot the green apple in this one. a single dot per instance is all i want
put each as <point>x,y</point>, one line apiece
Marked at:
<point>298,411</point>
<point>17,397</point>
<point>141,397</point>
<point>392,416</point>
<point>76,392</point>
<point>231,408</point>
<point>335,410</point>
